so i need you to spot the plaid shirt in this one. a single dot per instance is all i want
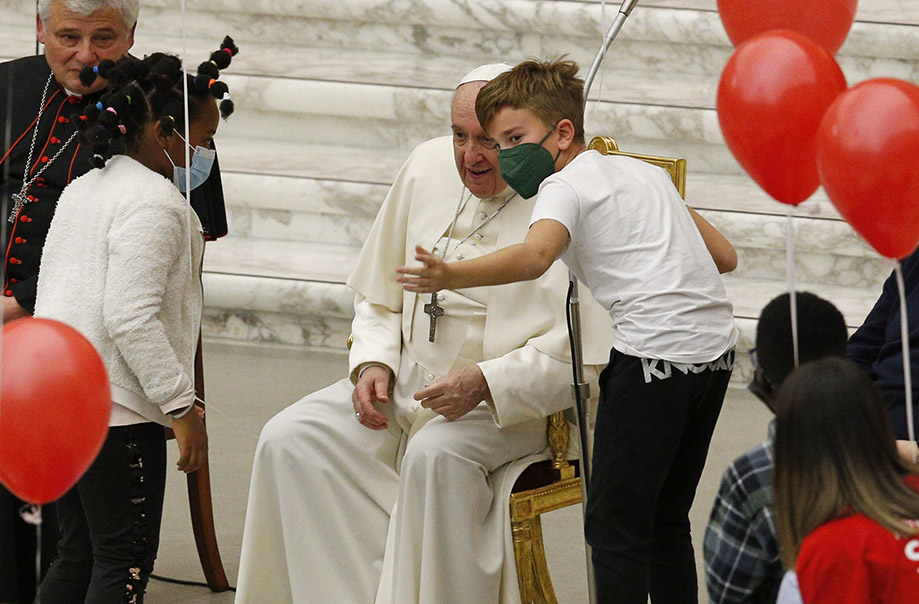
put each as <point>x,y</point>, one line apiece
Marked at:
<point>742,560</point>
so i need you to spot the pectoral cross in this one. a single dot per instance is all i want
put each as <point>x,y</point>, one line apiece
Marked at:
<point>435,310</point>
<point>19,200</point>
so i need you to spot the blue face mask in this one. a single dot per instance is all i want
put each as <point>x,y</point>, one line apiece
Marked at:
<point>201,163</point>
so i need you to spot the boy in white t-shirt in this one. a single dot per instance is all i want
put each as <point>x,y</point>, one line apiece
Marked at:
<point>625,232</point>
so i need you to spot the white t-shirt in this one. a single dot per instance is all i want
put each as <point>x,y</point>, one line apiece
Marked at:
<point>635,245</point>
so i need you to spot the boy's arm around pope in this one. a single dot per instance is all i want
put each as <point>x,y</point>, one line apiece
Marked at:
<point>543,244</point>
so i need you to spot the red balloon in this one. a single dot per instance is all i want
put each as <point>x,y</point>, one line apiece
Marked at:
<point>773,92</point>
<point>867,148</point>
<point>55,404</point>
<point>826,22</point>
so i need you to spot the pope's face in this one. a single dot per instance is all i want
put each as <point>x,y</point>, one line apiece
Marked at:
<point>475,153</point>
<point>73,42</point>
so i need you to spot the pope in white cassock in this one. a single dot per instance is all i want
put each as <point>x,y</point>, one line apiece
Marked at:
<point>392,485</point>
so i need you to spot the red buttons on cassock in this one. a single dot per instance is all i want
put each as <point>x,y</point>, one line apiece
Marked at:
<point>31,198</point>
<point>8,293</point>
<point>45,159</point>
<point>14,281</point>
<point>15,261</point>
<point>63,120</point>
<point>54,140</point>
<point>24,218</point>
<point>19,240</point>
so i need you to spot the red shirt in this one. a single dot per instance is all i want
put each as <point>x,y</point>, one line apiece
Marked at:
<point>856,560</point>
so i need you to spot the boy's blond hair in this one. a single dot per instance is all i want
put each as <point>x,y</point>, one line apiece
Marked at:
<point>551,90</point>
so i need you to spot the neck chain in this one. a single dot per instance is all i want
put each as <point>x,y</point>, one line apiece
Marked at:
<point>459,207</point>
<point>432,308</point>
<point>20,199</point>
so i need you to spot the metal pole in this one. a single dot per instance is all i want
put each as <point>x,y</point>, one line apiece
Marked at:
<point>581,399</point>
<point>581,388</point>
<point>624,11</point>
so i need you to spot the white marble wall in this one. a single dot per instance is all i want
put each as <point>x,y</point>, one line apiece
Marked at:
<point>283,311</point>
<point>331,96</point>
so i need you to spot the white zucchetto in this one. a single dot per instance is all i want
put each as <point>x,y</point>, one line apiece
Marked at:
<point>484,73</point>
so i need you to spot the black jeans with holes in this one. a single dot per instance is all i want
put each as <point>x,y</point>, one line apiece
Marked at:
<point>110,522</point>
<point>654,425</point>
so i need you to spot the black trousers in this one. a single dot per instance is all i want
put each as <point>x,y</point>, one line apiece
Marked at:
<point>17,548</point>
<point>654,425</point>
<point>110,522</point>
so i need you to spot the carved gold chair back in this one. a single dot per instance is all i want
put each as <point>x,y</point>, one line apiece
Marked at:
<point>553,484</point>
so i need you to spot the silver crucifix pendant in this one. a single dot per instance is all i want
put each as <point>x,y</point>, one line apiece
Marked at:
<point>19,200</point>
<point>435,310</point>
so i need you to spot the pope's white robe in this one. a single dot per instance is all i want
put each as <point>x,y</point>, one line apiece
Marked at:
<point>329,497</point>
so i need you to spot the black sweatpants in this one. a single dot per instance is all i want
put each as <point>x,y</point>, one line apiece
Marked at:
<point>654,425</point>
<point>110,522</point>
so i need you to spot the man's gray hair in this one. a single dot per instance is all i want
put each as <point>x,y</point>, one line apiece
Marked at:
<point>129,9</point>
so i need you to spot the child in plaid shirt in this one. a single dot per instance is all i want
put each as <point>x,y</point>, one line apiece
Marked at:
<point>742,561</point>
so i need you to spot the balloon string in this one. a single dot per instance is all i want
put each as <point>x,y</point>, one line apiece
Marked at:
<point>188,225</point>
<point>790,272</point>
<point>5,175</point>
<point>213,408</point>
<point>904,338</point>
<point>602,25</point>
<point>185,93</point>
<point>38,554</point>
<point>31,514</point>
<point>4,203</point>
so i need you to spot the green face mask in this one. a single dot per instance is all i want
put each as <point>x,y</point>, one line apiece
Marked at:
<point>525,166</point>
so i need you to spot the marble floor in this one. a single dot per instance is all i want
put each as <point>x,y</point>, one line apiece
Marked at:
<point>247,384</point>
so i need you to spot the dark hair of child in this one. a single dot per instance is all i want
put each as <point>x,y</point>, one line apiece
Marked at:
<point>821,333</point>
<point>148,91</point>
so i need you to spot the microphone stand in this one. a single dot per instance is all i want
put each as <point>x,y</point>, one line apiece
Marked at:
<point>580,387</point>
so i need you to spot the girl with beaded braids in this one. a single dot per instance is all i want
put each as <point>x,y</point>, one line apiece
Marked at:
<point>122,265</point>
<point>157,79</point>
